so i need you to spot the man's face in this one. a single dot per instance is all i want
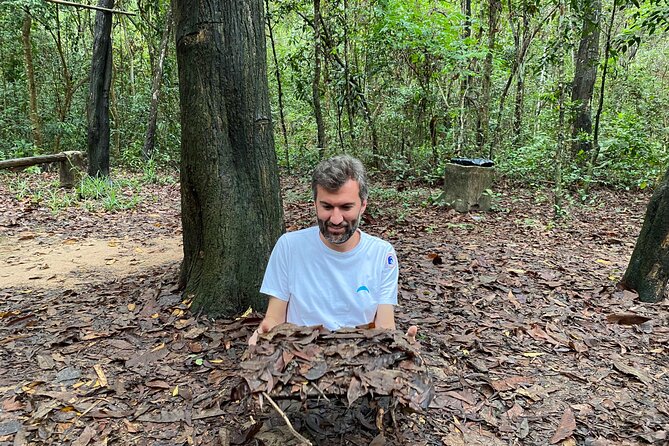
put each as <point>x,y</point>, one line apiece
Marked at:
<point>339,212</point>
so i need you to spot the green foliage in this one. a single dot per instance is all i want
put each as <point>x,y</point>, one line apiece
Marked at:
<point>531,163</point>
<point>629,158</point>
<point>401,69</point>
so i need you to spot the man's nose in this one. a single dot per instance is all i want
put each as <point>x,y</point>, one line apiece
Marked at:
<point>336,217</point>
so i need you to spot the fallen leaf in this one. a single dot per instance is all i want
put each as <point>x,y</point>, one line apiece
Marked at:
<point>633,371</point>
<point>10,405</point>
<point>102,379</point>
<point>626,319</point>
<point>513,300</point>
<point>354,391</point>
<point>566,428</point>
<point>85,437</point>
<point>510,383</point>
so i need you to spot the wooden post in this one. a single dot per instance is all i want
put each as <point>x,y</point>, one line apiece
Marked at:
<point>71,169</point>
<point>465,187</point>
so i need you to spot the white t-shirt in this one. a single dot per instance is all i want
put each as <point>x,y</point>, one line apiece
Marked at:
<point>324,286</point>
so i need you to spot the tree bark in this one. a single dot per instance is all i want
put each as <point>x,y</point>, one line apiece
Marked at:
<point>150,139</point>
<point>585,75</point>
<point>98,99</point>
<point>30,75</point>
<point>648,269</point>
<point>230,197</point>
<point>315,84</point>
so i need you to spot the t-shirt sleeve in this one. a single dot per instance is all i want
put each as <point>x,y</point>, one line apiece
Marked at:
<point>389,277</point>
<point>275,281</point>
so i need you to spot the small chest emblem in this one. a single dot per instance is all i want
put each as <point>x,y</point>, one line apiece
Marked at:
<point>391,261</point>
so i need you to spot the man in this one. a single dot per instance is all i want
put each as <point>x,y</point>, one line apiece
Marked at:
<point>333,274</point>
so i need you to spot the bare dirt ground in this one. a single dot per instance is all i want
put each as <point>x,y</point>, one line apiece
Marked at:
<point>46,260</point>
<point>526,337</point>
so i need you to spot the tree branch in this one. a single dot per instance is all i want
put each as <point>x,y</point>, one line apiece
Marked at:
<point>97,8</point>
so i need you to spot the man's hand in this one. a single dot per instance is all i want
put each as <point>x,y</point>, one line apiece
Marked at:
<point>411,334</point>
<point>275,315</point>
<point>264,327</point>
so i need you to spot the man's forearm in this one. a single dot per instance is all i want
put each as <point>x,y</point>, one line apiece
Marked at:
<point>385,317</point>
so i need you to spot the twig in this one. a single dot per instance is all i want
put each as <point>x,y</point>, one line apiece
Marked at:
<point>295,433</point>
<point>97,8</point>
<point>74,424</point>
<point>318,389</point>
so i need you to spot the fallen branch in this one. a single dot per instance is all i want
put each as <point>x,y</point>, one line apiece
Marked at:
<point>295,433</point>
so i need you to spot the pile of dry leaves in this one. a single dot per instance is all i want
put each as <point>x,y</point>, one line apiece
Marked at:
<point>301,362</point>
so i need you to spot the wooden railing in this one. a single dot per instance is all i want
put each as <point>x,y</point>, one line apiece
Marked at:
<point>70,165</point>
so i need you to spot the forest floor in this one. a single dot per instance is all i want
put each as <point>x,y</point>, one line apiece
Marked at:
<point>524,333</point>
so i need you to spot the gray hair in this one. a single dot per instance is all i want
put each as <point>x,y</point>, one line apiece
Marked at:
<point>331,174</point>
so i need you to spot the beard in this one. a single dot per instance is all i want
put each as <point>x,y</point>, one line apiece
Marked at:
<point>339,238</point>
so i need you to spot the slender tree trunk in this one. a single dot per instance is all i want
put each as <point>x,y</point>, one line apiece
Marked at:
<point>150,138</point>
<point>359,92</point>
<point>600,105</point>
<point>521,48</point>
<point>466,80</point>
<point>98,99</point>
<point>648,270</point>
<point>559,152</point>
<point>518,105</point>
<point>520,83</point>
<point>348,97</point>
<point>277,74</point>
<point>315,85</point>
<point>230,196</point>
<point>494,7</point>
<point>63,108</point>
<point>30,76</point>
<point>115,116</point>
<point>585,75</point>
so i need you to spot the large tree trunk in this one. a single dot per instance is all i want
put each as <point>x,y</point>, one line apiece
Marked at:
<point>150,139</point>
<point>230,198</point>
<point>30,75</point>
<point>648,270</point>
<point>98,99</point>
<point>585,74</point>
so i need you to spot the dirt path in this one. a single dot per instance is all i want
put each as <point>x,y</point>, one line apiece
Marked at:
<point>44,260</point>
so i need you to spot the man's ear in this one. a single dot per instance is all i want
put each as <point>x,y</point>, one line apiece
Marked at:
<point>364,206</point>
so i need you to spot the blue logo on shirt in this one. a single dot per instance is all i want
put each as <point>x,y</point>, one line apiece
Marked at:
<point>362,288</point>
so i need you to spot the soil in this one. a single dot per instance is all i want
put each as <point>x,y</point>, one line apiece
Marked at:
<point>44,260</point>
<point>521,326</point>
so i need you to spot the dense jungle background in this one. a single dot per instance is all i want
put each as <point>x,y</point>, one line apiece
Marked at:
<point>559,94</point>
